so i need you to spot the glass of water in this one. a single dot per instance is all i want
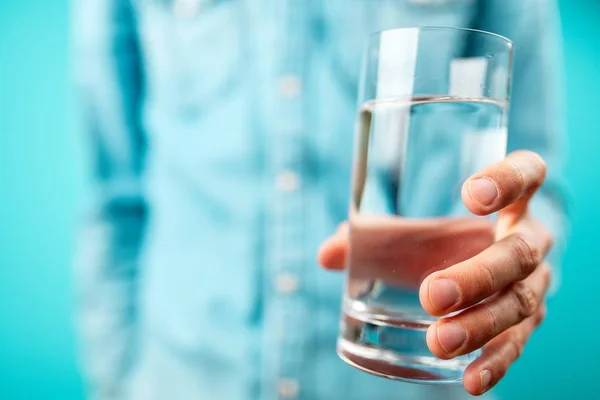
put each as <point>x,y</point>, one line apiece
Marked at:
<point>432,111</point>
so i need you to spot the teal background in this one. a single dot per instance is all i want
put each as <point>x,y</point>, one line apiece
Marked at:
<point>41,186</point>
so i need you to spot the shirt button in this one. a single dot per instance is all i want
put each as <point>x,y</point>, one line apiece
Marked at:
<point>290,86</point>
<point>186,8</point>
<point>286,283</point>
<point>288,181</point>
<point>288,388</point>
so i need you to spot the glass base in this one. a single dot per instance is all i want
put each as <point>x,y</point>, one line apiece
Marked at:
<point>389,364</point>
<point>393,344</point>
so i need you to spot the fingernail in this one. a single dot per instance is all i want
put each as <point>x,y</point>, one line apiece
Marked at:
<point>486,379</point>
<point>443,293</point>
<point>483,191</point>
<point>451,336</point>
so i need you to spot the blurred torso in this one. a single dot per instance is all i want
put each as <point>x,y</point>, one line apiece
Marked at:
<point>249,111</point>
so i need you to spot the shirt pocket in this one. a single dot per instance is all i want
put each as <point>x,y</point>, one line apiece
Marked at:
<point>193,49</point>
<point>348,24</point>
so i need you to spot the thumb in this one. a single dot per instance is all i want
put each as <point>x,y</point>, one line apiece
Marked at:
<point>332,254</point>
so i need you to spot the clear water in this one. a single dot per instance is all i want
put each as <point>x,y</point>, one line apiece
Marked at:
<point>407,220</point>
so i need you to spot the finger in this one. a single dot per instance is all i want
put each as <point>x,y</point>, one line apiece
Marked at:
<point>512,180</point>
<point>467,283</point>
<point>473,328</point>
<point>499,354</point>
<point>332,254</point>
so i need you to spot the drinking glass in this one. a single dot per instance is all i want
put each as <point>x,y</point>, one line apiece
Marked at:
<point>432,111</point>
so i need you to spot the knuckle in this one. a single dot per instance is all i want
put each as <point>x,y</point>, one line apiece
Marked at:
<point>517,174</point>
<point>493,319</point>
<point>489,281</point>
<point>514,348</point>
<point>534,167</point>
<point>548,239</point>
<point>528,255</point>
<point>540,316</point>
<point>525,299</point>
<point>541,164</point>
<point>545,236</point>
<point>546,275</point>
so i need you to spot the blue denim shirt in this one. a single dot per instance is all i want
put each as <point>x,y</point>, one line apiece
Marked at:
<point>221,138</point>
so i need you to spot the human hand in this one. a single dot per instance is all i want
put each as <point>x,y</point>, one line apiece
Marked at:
<point>504,285</point>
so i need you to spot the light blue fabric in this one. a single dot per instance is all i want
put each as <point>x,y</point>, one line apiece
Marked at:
<point>221,138</point>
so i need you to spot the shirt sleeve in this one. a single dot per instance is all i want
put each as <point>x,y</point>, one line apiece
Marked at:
<point>109,82</point>
<point>536,111</point>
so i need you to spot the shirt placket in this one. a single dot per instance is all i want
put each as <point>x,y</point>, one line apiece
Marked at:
<point>285,242</point>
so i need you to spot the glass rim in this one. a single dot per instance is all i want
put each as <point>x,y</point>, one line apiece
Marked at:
<point>506,40</point>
